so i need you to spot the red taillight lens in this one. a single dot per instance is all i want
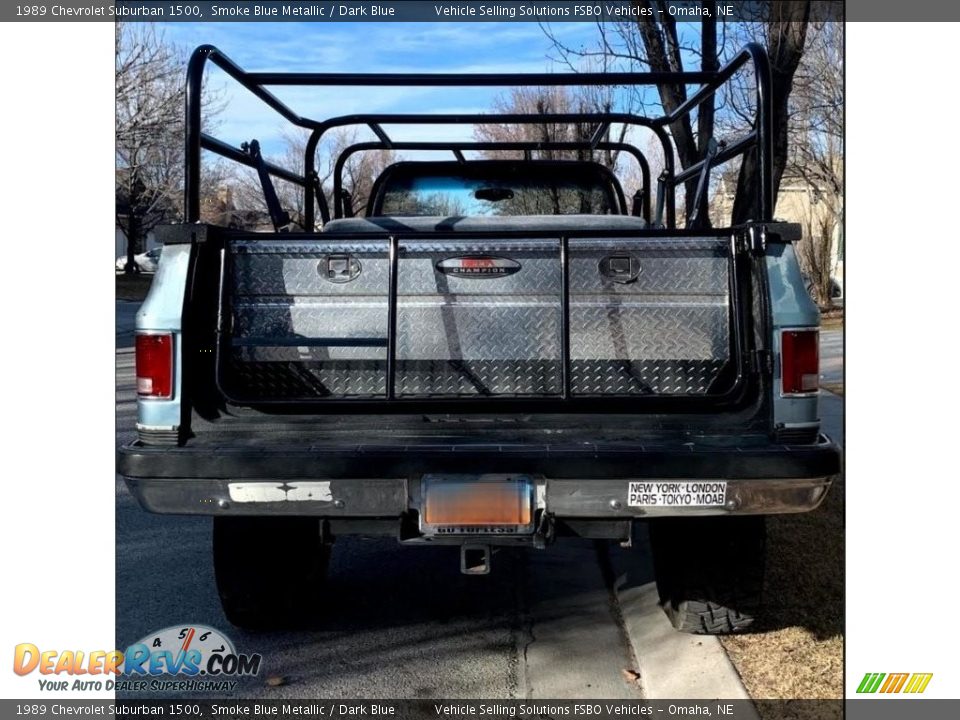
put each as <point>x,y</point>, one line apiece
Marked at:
<point>155,366</point>
<point>800,355</point>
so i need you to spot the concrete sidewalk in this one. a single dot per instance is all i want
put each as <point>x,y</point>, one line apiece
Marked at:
<point>831,416</point>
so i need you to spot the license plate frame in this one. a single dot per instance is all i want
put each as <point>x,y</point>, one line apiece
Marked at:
<point>497,504</point>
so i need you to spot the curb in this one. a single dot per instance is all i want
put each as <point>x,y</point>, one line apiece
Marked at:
<point>672,665</point>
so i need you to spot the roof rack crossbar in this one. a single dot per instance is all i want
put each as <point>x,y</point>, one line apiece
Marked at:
<point>477,79</point>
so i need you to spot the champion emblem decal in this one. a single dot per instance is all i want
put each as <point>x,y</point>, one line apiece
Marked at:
<point>480,267</point>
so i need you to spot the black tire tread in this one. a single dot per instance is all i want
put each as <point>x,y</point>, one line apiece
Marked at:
<point>270,571</point>
<point>709,572</point>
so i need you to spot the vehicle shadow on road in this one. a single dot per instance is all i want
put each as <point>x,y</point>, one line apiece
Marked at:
<point>397,621</point>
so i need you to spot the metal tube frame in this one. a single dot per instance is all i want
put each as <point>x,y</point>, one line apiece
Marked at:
<point>710,82</point>
<point>459,147</point>
<point>759,140</point>
<point>654,126</point>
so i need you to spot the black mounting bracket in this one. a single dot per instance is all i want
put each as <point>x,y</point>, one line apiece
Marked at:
<point>278,216</point>
<point>753,238</point>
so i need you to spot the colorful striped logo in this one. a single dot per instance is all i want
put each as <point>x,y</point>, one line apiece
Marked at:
<point>894,682</point>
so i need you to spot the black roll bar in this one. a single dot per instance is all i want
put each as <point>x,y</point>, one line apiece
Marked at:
<point>459,147</point>
<point>194,121</point>
<point>762,135</point>
<point>194,141</point>
<point>232,153</point>
<point>475,79</point>
<point>313,142</point>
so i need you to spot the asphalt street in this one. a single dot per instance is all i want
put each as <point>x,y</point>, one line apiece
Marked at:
<point>401,622</point>
<point>831,356</point>
<point>565,622</point>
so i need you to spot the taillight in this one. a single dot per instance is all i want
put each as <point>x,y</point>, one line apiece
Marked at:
<point>799,361</point>
<point>155,366</point>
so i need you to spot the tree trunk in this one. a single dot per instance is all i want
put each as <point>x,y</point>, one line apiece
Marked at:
<point>786,36</point>
<point>133,242</point>
<point>662,46</point>
<point>709,62</point>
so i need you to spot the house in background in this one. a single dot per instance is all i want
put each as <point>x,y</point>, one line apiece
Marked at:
<point>800,202</point>
<point>817,213</point>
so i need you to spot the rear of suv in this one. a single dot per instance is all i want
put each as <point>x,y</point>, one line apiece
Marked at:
<point>498,353</point>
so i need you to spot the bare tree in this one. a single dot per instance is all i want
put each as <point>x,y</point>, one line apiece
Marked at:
<point>816,150</point>
<point>149,102</point>
<point>150,90</point>
<point>662,43</point>
<point>550,101</point>
<point>786,33</point>
<point>655,41</point>
<point>359,173</point>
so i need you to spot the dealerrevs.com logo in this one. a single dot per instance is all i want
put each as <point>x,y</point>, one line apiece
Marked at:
<point>179,658</point>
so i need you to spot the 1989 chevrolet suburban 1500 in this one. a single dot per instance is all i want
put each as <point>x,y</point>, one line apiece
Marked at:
<point>499,352</point>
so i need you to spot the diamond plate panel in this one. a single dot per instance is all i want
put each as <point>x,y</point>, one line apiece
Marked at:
<point>280,269</point>
<point>478,378</point>
<point>712,245</point>
<point>692,268</point>
<point>649,331</point>
<point>343,317</point>
<point>306,354</point>
<point>304,380</point>
<point>312,247</point>
<point>644,377</point>
<point>665,333</point>
<point>502,328</point>
<point>539,268</point>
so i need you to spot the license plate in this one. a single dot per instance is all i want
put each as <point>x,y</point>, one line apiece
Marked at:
<point>677,493</point>
<point>476,505</point>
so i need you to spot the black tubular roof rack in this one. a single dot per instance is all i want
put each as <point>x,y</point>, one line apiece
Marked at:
<point>758,139</point>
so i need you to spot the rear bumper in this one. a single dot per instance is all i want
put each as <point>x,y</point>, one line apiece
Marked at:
<point>583,481</point>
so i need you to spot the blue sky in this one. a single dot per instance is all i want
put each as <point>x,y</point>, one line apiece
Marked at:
<point>371,47</point>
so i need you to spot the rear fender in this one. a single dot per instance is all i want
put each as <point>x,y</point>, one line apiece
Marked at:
<point>162,312</point>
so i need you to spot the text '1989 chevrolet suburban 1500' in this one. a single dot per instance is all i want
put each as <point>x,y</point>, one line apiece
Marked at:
<point>500,352</point>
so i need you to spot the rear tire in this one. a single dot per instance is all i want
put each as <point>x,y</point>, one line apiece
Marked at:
<point>709,571</point>
<point>270,571</point>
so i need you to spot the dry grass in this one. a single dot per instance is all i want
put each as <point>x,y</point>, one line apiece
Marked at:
<point>798,653</point>
<point>831,322</point>
<point>132,287</point>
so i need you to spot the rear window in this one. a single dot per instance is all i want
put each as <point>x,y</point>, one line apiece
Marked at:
<point>496,191</point>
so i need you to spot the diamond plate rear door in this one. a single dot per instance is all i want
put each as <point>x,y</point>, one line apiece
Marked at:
<point>648,316</point>
<point>478,318</point>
